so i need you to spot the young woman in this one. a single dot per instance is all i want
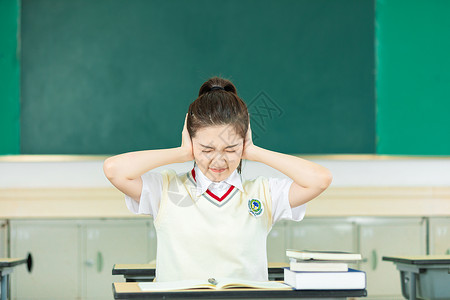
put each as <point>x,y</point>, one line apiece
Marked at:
<point>209,222</point>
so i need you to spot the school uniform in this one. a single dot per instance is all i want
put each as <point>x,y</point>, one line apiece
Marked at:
<point>213,229</point>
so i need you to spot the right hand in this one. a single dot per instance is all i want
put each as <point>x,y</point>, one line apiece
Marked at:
<point>186,142</point>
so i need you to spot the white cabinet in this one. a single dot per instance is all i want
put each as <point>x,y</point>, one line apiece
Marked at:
<point>55,249</point>
<point>380,237</point>
<point>323,234</point>
<point>73,259</point>
<point>439,236</point>
<point>110,242</point>
<point>276,243</point>
<point>3,238</point>
<point>336,234</point>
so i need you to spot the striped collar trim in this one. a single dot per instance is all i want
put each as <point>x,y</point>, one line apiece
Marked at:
<point>210,196</point>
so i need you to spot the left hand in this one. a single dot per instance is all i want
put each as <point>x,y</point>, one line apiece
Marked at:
<point>248,144</point>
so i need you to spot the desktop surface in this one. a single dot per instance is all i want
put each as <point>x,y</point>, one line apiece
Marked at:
<point>131,290</point>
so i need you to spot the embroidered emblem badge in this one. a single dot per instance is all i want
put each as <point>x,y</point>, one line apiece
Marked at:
<point>255,207</point>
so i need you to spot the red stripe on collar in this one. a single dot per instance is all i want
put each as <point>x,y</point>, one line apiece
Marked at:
<point>193,174</point>
<point>211,193</point>
<point>224,195</point>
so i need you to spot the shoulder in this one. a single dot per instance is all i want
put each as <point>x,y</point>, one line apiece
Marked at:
<point>258,185</point>
<point>273,183</point>
<point>170,176</point>
<point>260,180</point>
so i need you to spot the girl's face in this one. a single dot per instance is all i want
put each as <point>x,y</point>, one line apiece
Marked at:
<point>217,151</point>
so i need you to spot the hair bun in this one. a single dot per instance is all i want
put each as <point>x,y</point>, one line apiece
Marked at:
<point>217,83</point>
<point>216,87</point>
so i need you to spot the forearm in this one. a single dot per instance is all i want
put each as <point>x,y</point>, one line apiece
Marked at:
<point>303,172</point>
<point>132,165</point>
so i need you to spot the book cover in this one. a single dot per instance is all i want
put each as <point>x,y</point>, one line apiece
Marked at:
<point>350,280</point>
<point>318,266</point>
<point>322,255</point>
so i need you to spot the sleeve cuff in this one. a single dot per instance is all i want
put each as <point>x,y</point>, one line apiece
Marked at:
<point>298,213</point>
<point>150,194</point>
<point>132,205</point>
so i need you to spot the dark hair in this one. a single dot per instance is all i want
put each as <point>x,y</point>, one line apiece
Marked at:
<point>218,106</point>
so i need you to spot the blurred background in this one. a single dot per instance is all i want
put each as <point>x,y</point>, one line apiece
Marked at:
<point>359,86</point>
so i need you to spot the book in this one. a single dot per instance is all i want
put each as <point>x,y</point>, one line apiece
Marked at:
<point>318,266</point>
<point>323,255</point>
<point>215,284</point>
<point>350,280</point>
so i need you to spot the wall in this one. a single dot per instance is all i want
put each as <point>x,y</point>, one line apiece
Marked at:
<point>361,187</point>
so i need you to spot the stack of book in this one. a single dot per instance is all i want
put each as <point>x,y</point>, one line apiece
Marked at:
<point>320,270</point>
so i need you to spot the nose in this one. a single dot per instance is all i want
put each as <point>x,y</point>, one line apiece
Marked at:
<point>219,159</point>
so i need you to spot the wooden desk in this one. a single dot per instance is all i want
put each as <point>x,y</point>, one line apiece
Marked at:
<point>131,290</point>
<point>146,272</point>
<point>6,268</point>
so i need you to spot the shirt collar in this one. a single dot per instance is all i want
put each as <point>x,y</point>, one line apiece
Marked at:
<point>204,182</point>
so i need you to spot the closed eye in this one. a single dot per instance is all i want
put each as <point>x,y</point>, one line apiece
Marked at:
<point>209,151</point>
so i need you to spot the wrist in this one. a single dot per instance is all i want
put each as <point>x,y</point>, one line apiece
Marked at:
<point>253,152</point>
<point>184,155</point>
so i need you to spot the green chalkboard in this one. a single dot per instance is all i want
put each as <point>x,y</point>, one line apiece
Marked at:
<point>9,78</point>
<point>413,77</point>
<point>105,77</point>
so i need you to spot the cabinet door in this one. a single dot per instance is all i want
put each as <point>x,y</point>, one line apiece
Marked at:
<point>323,234</point>
<point>439,236</point>
<point>389,237</point>
<point>3,238</point>
<point>110,242</point>
<point>55,251</point>
<point>276,245</point>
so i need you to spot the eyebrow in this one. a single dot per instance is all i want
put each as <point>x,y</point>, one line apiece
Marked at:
<point>231,146</point>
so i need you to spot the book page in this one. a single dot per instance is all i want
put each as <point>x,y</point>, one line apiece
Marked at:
<point>175,285</point>
<point>227,283</point>
<point>223,283</point>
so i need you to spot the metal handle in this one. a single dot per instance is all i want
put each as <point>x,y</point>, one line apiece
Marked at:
<point>99,262</point>
<point>29,262</point>
<point>374,259</point>
<point>89,262</point>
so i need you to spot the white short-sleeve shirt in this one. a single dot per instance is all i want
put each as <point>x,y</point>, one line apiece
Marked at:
<point>279,190</point>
